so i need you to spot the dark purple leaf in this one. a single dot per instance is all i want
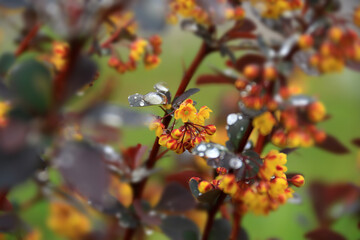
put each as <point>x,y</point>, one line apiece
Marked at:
<point>176,198</point>
<point>179,228</point>
<point>13,3</point>
<point>9,222</point>
<point>183,177</point>
<point>177,101</point>
<point>208,79</point>
<point>221,229</point>
<point>356,142</point>
<point>288,150</point>
<point>324,234</point>
<point>83,169</point>
<point>333,145</point>
<point>143,210</point>
<point>83,73</point>
<point>237,125</point>
<point>18,160</point>
<point>252,164</point>
<point>324,196</point>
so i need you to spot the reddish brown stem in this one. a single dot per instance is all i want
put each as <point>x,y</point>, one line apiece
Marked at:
<point>211,215</point>
<point>236,225</point>
<point>260,143</point>
<point>27,40</point>
<point>153,157</point>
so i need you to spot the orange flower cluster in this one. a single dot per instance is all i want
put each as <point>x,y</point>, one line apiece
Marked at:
<point>147,50</point>
<point>253,96</point>
<point>201,13</point>
<point>276,8</point>
<point>269,190</point>
<point>296,129</point>
<point>341,45</point>
<point>188,135</point>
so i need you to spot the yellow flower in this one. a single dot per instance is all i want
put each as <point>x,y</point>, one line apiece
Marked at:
<point>316,112</point>
<point>186,111</point>
<point>202,115</point>
<point>137,49</point>
<point>67,221</point>
<point>274,165</point>
<point>158,127</point>
<point>264,123</point>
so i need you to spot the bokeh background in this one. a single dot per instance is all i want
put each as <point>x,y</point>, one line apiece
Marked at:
<point>339,92</point>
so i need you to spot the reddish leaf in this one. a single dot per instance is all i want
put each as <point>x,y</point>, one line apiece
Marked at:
<point>183,177</point>
<point>333,145</point>
<point>235,35</point>
<point>133,155</point>
<point>324,196</point>
<point>207,79</point>
<point>176,198</point>
<point>249,59</point>
<point>324,234</point>
<point>356,142</point>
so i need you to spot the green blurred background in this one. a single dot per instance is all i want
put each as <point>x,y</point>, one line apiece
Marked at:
<point>339,92</point>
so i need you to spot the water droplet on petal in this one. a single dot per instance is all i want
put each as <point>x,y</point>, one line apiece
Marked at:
<point>201,148</point>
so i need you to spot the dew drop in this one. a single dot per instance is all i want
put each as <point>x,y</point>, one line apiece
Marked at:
<point>235,163</point>
<point>142,103</point>
<point>201,148</point>
<point>212,153</point>
<point>231,119</point>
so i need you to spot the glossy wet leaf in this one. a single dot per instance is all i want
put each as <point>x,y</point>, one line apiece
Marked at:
<point>83,169</point>
<point>6,61</point>
<point>111,206</point>
<point>237,124</point>
<point>145,213</point>
<point>249,111</point>
<point>252,163</point>
<point>30,81</point>
<point>208,197</point>
<point>188,93</point>
<point>179,228</point>
<point>301,59</point>
<point>176,198</point>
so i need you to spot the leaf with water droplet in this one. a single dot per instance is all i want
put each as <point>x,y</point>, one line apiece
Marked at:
<point>237,124</point>
<point>179,227</point>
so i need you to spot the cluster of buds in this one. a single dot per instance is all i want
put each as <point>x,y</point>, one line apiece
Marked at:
<point>59,55</point>
<point>340,46</point>
<point>191,133</point>
<point>252,94</point>
<point>265,193</point>
<point>276,8</point>
<point>124,21</point>
<point>297,126</point>
<point>147,50</point>
<point>201,12</point>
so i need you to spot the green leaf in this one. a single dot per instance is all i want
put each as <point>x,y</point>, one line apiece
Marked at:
<point>31,82</point>
<point>6,61</point>
<point>237,124</point>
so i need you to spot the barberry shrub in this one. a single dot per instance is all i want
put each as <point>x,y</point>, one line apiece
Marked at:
<point>67,170</point>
